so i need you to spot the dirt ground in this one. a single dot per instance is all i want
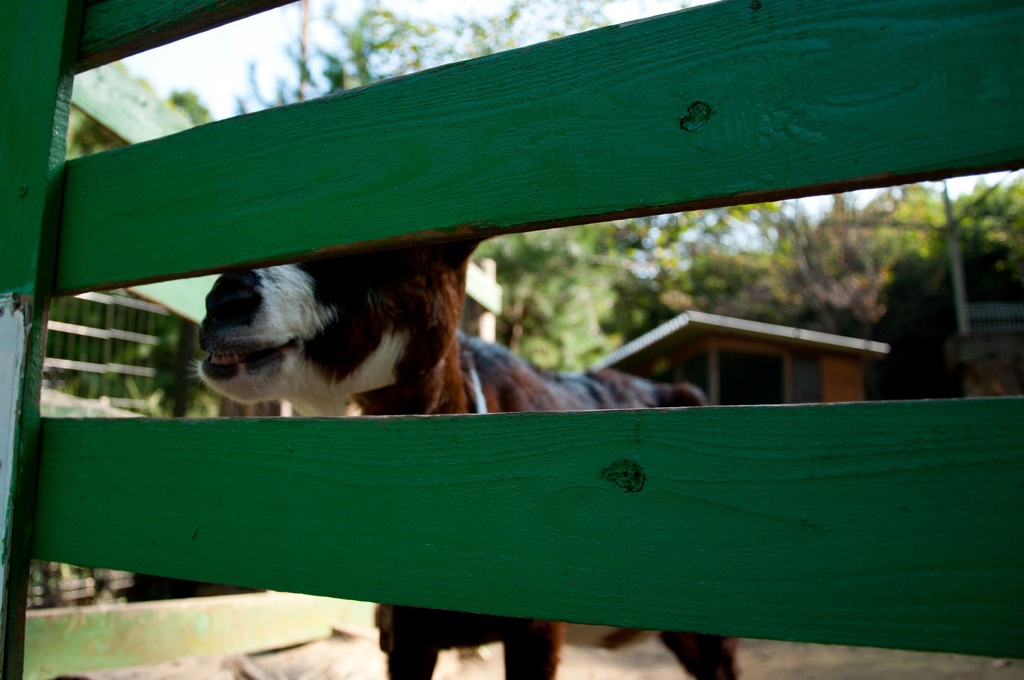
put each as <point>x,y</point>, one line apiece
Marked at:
<point>355,657</point>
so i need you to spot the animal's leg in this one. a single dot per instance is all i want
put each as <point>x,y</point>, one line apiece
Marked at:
<point>411,662</point>
<point>409,656</point>
<point>706,657</point>
<point>531,649</point>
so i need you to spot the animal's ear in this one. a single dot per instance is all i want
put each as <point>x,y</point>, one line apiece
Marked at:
<point>457,252</point>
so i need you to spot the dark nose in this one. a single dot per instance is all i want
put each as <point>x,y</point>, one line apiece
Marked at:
<point>232,302</point>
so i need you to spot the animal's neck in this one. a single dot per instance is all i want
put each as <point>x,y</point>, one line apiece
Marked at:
<point>430,378</point>
<point>440,389</point>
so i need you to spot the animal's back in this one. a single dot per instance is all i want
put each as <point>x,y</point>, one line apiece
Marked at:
<point>511,384</point>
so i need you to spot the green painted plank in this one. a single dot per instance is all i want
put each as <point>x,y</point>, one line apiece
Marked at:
<point>81,639</point>
<point>124,106</point>
<point>38,42</point>
<point>36,99</point>
<point>120,103</point>
<point>805,96</point>
<point>115,29</point>
<point>891,525</point>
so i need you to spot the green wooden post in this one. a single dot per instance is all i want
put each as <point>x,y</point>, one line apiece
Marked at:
<point>38,46</point>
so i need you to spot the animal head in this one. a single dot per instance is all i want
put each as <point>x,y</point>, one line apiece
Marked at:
<point>319,333</point>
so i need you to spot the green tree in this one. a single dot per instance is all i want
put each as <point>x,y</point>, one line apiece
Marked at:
<point>86,136</point>
<point>189,104</point>
<point>383,43</point>
<point>776,262</point>
<point>920,314</point>
<point>558,295</point>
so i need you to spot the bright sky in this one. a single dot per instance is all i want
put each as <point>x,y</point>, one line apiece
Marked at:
<point>215,64</point>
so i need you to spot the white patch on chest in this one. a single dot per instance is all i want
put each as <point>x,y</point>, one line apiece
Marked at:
<point>315,394</point>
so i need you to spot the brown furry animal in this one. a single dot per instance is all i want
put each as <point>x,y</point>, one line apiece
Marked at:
<point>381,329</point>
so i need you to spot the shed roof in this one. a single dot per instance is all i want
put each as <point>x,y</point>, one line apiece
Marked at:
<point>690,326</point>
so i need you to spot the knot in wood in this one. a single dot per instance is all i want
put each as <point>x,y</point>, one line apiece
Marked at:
<point>696,115</point>
<point>625,474</point>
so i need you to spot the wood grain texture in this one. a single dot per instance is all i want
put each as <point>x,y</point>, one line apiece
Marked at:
<point>38,42</point>
<point>36,99</point>
<point>805,96</point>
<point>119,103</point>
<point>68,641</point>
<point>115,29</point>
<point>893,525</point>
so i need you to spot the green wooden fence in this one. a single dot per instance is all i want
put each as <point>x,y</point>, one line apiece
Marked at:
<point>874,524</point>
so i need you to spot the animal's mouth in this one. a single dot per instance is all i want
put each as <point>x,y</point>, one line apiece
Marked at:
<point>226,365</point>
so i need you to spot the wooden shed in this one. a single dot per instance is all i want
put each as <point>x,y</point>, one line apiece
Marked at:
<point>747,362</point>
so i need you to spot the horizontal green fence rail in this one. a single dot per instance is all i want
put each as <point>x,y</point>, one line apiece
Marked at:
<point>115,29</point>
<point>728,103</point>
<point>894,525</point>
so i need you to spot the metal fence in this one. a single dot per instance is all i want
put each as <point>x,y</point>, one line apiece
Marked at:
<point>103,346</point>
<point>993,317</point>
